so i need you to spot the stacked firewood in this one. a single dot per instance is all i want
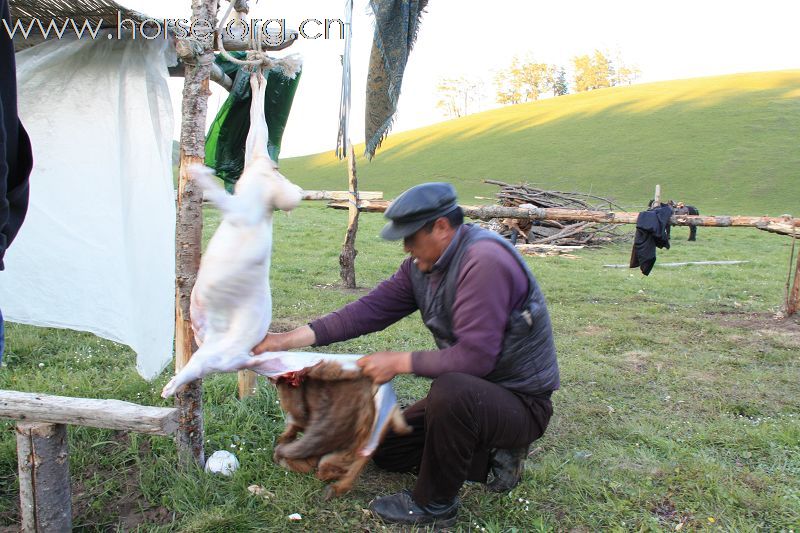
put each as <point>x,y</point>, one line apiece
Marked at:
<point>554,232</point>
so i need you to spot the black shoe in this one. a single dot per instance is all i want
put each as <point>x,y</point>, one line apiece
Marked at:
<point>400,508</point>
<point>505,468</point>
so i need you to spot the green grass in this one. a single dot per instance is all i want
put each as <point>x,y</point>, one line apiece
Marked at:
<point>680,399</point>
<point>726,144</point>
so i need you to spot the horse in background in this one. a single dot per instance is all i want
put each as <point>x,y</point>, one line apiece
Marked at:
<point>684,209</point>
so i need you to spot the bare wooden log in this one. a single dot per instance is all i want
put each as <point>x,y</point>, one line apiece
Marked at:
<point>793,302</point>
<point>785,225</point>
<point>341,195</point>
<point>367,206</point>
<point>548,247</point>
<point>232,44</point>
<point>109,414</point>
<point>684,263</point>
<point>198,56</point>
<point>566,232</point>
<point>347,259</point>
<point>247,380</point>
<point>217,75</point>
<point>44,485</point>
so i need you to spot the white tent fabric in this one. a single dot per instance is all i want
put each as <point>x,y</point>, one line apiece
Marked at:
<point>96,251</point>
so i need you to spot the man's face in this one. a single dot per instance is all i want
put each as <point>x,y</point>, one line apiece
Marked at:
<point>426,247</point>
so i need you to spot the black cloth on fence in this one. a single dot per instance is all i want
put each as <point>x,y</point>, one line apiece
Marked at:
<point>15,147</point>
<point>652,230</point>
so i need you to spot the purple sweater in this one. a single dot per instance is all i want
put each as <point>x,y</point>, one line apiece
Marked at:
<point>490,285</point>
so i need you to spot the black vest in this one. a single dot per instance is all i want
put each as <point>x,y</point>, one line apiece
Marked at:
<point>527,361</point>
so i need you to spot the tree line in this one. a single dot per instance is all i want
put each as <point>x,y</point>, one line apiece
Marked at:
<point>525,80</point>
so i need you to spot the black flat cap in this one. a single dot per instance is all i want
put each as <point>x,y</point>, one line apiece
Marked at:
<point>416,207</point>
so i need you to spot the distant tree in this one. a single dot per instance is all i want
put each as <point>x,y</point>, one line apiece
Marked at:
<point>559,77</point>
<point>624,74</point>
<point>603,70</point>
<point>458,95</point>
<point>584,73</point>
<point>523,81</point>
<point>592,72</point>
<point>509,84</point>
<point>534,79</point>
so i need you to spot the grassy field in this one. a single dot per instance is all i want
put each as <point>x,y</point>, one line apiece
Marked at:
<point>680,403</point>
<point>726,144</point>
<point>680,399</point>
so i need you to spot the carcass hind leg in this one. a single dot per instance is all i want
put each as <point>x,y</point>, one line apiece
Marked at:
<point>289,434</point>
<point>303,466</point>
<point>257,136</point>
<point>398,422</point>
<point>344,467</point>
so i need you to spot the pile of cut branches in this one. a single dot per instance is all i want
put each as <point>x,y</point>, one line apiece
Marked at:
<point>555,232</point>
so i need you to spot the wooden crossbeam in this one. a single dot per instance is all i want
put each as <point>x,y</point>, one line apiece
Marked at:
<point>341,195</point>
<point>785,225</point>
<point>108,414</point>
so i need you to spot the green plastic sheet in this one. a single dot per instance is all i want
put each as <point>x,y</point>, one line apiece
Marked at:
<point>225,142</point>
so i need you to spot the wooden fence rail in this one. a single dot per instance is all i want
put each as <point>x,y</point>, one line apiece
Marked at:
<point>785,225</point>
<point>43,454</point>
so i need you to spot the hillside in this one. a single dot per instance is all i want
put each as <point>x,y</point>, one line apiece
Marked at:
<point>728,144</point>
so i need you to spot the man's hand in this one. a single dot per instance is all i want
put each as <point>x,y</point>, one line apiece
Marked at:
<point>280,342</point>
<point>383,366</point>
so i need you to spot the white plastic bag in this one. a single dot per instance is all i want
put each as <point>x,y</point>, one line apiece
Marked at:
<point>96,251</point>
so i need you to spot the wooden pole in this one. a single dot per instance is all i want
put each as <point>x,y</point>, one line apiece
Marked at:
<point>347,259</point>
<point>44,486</point>
<point>248,382</point>
<point>785,225</point>
<point>793,301</point>
<point>198,57</point>
<point>341,195</point>
<point>657,195</point>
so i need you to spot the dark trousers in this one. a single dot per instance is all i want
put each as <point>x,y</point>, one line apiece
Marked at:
<point>454,427</point>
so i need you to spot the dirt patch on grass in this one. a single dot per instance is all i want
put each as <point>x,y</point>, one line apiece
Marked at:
<point>762,322</point>
<point>760,333</point>
<point>641,362</point>
<point>282,325</point>
<point>125,508</point>
<point>591,331</point>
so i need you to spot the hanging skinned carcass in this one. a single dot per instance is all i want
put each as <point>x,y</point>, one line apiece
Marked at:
<point>231,304</point>
<point>342,415</point>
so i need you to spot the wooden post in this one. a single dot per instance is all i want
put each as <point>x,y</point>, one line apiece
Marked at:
<point>247,383</point>
<point>793,301</point>
<point>347,259</point>
<point>44,487</point>
<point>198,57</point>
<point>657,196</point>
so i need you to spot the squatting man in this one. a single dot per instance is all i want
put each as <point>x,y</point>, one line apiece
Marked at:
<point>493,372</point>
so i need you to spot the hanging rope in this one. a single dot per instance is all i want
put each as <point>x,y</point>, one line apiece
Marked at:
<point>343,138</point>
<point>256,58</point>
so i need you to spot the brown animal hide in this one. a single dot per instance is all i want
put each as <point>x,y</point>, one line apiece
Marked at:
<point>335,411</point>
